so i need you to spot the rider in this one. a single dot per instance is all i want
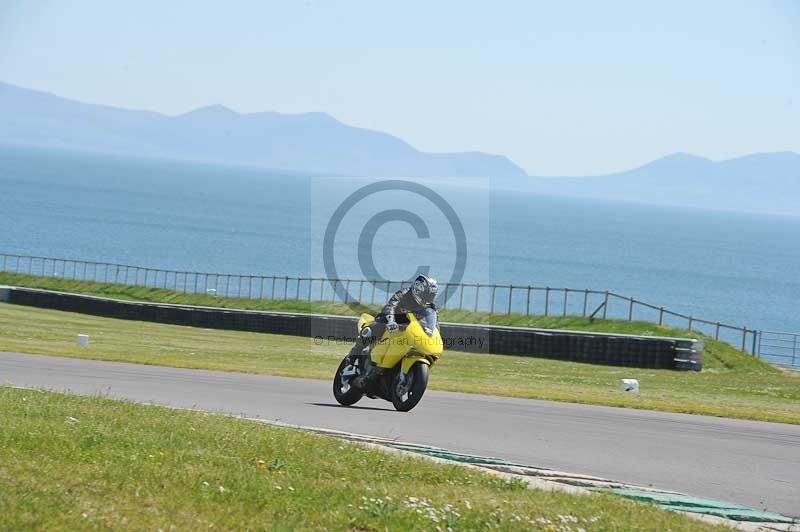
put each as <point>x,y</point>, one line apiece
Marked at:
<point>417,297</point>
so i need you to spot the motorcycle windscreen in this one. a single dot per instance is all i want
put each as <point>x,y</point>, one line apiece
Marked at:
<point>428,320</point>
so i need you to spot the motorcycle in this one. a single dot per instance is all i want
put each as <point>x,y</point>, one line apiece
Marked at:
<point>396,366</point>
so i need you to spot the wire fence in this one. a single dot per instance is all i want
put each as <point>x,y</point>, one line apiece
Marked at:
<point>528,300</point>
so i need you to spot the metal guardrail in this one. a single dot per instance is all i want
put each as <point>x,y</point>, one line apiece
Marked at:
<point>529,300</point>
<point>780,348</point>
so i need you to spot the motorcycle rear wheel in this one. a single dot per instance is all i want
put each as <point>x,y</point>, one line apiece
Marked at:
<point>345,394</point>
<point>417,383</point>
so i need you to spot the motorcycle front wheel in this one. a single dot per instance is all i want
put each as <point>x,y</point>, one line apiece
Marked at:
<point>405,396</point>
<point>343,392</point>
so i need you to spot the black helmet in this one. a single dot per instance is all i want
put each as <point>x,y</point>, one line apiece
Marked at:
<point>424,289</point>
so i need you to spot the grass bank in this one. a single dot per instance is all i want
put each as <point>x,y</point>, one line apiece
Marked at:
<point>731,385</point>
<point>75,463</point>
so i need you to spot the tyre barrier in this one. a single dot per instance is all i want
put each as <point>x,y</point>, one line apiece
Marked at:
<point>653,352</point>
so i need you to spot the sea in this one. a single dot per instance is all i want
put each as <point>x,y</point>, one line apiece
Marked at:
<point>737,268</point>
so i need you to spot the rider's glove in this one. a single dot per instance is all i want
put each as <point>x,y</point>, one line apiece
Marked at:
<point>392,326</point>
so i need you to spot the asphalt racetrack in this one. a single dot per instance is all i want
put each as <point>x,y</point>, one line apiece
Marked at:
<point>747,462</point>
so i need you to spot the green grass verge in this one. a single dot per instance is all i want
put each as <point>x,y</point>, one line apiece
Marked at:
<point>75,463</point>
<point>732,384</point>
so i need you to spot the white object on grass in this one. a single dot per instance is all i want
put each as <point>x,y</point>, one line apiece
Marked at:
<point>83,340</point>
<point>629,385</point>
<point>211,291</point>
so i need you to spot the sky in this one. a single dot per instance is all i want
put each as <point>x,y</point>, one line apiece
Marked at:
<point>561,88</point>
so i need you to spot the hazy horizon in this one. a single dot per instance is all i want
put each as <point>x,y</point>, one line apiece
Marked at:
<point>219,108</point>
<point>300,113</point>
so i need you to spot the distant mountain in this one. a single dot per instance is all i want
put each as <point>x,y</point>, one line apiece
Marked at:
<point>761,182</point>
<point>318,143</point>
<point>308,142</point>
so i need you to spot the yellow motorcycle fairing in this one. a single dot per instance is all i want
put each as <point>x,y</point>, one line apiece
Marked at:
<point>409,345</point>
<point>412,359</point>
